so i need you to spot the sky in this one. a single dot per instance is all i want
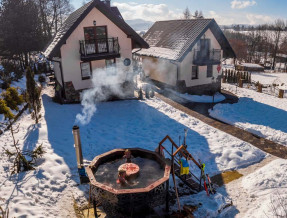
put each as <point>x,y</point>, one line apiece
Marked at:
<point>225,12</point>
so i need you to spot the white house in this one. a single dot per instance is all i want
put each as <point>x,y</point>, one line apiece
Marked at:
<point>185,55</point>
<point>93,37</point>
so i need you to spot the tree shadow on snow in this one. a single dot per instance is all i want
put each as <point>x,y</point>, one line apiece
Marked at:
<point>31,137</point>
<point>119,124</point>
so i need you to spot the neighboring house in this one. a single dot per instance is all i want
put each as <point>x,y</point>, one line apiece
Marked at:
<point>186,55</point>
<point>93,37</point>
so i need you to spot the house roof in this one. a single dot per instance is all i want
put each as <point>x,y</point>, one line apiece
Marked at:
<point>175,38</point>
<point>77,16</point>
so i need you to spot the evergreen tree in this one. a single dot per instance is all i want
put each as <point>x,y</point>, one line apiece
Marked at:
<point>5,110</point>
<point>20,30</point>
<point>12,98</point>
<point>33,94</point>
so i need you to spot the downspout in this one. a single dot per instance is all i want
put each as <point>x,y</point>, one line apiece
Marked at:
<point>62,76</point>
<point>177,70</point>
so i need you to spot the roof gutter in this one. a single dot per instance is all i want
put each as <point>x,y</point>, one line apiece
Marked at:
<point>137,51</point>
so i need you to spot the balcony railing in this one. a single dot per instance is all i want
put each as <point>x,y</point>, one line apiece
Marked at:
<point>99,48</point>
<point>207,57</point>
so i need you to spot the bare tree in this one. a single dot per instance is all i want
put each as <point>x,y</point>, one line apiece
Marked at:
<point>53,13</point>
<point>279,27</point>
<point>196,13</point>
<point>186,14</point>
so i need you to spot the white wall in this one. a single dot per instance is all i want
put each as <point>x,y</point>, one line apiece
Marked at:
<point>166,72</point>
<point>186,65</point>
<point>160,70</point>
<point>70,51</point>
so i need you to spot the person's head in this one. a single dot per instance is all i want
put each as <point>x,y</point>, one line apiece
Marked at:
<point>127,151</point>
<point>122,172</point>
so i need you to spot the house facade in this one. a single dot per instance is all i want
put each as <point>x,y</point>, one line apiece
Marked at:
<point>94,45</point>
<point>186,55</point>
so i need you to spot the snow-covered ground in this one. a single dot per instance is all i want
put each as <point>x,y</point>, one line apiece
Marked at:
<point>259,113</point>
<point>200,98</point>
<point>269,191</point>
<point>48,190</point>
<point>269,78</point>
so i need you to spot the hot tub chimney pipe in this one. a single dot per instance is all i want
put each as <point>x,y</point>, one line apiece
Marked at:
<point>78,146</point>
<point>79,154</point>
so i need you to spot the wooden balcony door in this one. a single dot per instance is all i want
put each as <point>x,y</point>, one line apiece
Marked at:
<point>204,48</point>
<point>96,39</point>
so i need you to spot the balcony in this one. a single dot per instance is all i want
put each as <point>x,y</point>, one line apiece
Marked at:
<point>207,57</point>
<point>98,49</point>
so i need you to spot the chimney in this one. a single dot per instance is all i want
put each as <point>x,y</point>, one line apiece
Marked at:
<point>78,146</point>
<point>107,3</point>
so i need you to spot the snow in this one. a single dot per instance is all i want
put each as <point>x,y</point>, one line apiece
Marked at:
<point>200,98</point>
<point>266,185</point>
<point>158,52</point>
<point>251,65</point>
<point>48,190</point>
<point>258,113</point>
<point>21,84</point>
<point>269,78</point>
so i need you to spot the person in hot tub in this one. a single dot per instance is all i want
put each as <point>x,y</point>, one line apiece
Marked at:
<point>128,156</point>
<point>122,178</point>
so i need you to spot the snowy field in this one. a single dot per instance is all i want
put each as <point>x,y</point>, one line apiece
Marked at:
<point>48,190</point>
<point>269,78</point>
<point>258,113</point>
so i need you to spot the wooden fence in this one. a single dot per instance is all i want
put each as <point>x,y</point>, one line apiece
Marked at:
<point>234,76</point>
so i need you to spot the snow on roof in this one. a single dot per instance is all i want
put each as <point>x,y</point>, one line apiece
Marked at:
<point>158,52</point>
<point>251,65</point>
<point>176,37</point>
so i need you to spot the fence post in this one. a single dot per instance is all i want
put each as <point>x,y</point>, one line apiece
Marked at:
<point>259,88</point>
<point>240,83</point>
<point>281,93</point>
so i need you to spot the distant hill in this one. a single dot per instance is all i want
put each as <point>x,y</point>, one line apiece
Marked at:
<point>139,24</point>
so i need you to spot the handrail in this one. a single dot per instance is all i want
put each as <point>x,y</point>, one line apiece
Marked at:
<point>212,54</point>
<point>99,46</point>
<point>179,149</point>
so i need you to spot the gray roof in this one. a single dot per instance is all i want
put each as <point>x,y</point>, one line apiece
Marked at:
<point>77,16</point>
<point>175,38</point>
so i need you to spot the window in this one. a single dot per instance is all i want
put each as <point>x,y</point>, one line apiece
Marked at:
<point>111,66</point>
<point>194,73</point>
<point>209,71</point>
<point>204,48</point>
<point>95,32</point>
<point>96,39</point>
<point>86,70</point>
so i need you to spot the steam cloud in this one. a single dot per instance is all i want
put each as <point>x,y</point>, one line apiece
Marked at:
<point>105,81</point>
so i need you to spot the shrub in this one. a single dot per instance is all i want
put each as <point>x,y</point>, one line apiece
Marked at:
<point>5,85</point>
<point>33,94</point>
<point>10,72</point>
<point>4,109</point>
<point>12,98</point>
